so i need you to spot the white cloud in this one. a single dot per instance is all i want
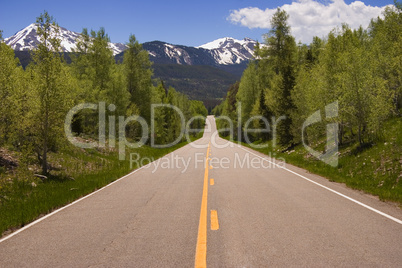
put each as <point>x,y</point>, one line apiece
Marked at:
<point>309,18</point>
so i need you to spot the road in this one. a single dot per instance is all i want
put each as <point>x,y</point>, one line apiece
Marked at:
<point>253,214</point>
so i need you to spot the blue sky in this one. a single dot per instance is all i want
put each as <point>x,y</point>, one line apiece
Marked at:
<point>190,23</point>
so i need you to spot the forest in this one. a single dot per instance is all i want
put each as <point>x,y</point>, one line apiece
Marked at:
<point>35,100</point>
<point>360,69</point>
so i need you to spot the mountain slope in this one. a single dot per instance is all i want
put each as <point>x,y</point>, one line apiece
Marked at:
<point>161,52</point>
<point>201,82</point>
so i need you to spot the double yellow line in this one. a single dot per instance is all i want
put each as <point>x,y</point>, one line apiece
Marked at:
<point>201,250</point>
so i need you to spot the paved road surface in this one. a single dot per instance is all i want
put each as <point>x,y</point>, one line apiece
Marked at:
<point>263,216</point>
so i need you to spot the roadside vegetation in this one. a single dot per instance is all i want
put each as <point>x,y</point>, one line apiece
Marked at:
<point>375,168</point>
<point>348,83</point>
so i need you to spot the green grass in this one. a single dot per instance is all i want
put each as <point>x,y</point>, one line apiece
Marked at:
<point>75,173</point>
<point>375,168</point>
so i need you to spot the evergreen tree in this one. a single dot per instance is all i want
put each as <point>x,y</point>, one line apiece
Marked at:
<point>281,51</point>
<point>138,72</point>
<point>260,109</point>
<point>229,108</point>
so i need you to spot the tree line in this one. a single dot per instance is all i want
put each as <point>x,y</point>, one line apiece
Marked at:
<point>35,101</point>
<point>288,82</point>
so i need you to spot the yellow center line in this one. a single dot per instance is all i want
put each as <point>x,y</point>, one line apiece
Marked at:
<point>214,220</point>
<point>201,250</point>
<point>212,182</point>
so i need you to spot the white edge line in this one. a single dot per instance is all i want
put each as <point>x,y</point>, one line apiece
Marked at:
<point>327,188</point>
<point>66,206</point>
<point>78,200</point>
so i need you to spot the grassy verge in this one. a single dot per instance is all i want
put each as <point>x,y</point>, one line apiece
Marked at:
<point>375,169</point>
<point>75,173</point>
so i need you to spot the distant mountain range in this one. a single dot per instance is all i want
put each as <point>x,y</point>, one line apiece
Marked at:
<point>204,72</point>
<point>223,51</point>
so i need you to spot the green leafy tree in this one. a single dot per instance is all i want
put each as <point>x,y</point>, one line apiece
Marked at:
<point>248,91</point>
<point>50,79</point>
<point>197,108</point>
<point>159,96</point>
<point>16,95</point>
<point>81,67</point>
<point>173,119</point>
<point>386,47</point>
<point>117,93</point>
<point>8,69</point>
<point>364,99</point>
<point>100,80</point>
<point>101,60</point>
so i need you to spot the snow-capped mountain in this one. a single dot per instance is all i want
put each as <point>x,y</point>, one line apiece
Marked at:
<point>27,39</point>
<point>228,50</point>
<point>221,52</point>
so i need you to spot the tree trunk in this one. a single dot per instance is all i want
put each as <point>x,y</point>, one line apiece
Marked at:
<point>45,143</point>
<point>340,133</point>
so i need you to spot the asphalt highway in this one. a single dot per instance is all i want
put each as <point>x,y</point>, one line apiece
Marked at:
<point>214,203</point>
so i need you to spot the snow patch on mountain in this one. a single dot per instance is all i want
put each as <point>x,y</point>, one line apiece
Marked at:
<point>219,43</point>
<point>178,54</point>
<point>229,50</point>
